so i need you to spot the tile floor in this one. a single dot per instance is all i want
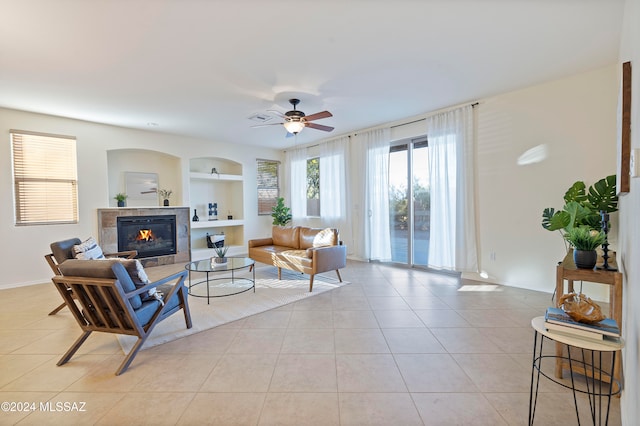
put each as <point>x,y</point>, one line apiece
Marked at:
<point>394,347</point>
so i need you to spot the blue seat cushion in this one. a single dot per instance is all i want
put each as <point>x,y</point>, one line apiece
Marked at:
<point>149,307</point>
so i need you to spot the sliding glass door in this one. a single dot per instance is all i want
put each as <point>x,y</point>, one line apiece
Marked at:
<point>409,202</point>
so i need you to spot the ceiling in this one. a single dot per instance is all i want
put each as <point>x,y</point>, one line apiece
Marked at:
<point>200,68</point>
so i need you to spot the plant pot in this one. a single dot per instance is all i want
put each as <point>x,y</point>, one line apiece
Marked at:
<point>585,259</point>
<point>220,260</point>
<point>166,202</point>
<point>121,204</point>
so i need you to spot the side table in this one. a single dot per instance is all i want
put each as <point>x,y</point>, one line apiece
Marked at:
<point>568,271</point>
<point>594,385</point>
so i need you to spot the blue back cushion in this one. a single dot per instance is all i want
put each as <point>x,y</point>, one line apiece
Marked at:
<point>107,268</point>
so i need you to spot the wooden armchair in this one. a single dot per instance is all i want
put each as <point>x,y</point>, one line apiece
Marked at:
<point>102,296</point>
<point>63,250</point>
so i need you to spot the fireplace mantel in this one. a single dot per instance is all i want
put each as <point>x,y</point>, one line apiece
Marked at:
<point>107,231</point>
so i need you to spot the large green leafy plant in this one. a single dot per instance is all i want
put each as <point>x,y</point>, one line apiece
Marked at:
<point>582,207</point>
<point>280,213</point>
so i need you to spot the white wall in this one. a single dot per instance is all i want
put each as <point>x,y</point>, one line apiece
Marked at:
<point>574,119</point>
<point>629,238</point>
<point>23,248</point>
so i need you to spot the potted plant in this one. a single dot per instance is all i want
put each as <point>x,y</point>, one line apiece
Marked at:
<point>280,213</point>
<point>583,207</point>
<point>165,194</point>
<point>221,253</point>
<point>585,241</point>
<point>121,199</point>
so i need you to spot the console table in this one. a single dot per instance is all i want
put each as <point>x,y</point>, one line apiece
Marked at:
<point>568,271</point>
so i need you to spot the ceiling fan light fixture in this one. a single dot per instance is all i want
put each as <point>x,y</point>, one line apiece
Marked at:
<point>294,126</point>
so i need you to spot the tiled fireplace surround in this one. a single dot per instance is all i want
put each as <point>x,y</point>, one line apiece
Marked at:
<point>107,231</point>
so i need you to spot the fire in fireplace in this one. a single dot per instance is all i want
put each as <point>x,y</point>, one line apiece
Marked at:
<point>149,235</point>
<point>145,234</point>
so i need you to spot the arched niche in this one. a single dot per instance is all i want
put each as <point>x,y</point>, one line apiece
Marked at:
<point>167,168</point>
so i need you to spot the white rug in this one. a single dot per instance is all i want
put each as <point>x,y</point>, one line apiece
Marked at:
<point>270,293</point>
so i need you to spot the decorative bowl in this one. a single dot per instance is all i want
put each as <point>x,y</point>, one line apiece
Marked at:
<point>581,308</point>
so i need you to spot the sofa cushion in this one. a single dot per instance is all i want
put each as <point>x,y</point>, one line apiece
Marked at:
<point>286,236</point>
<point>317,237</point>
<point>296,257</point>
<point>270,249</point>
<point>88,249</point>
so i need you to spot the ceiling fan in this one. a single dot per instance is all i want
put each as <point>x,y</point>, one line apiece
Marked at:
<point>295,120</point>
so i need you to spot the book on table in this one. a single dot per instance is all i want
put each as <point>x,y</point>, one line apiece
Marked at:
<point>571,331</point>
<point>601,339</point>
<point>563,330</point>
<point>557,317</point>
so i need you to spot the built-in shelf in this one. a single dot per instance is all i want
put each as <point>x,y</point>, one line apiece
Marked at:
<point>225,190</point>
<point>215,223</point>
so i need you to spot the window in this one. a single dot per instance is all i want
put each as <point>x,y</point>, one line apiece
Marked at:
<point>268,189</point>
<point>313,187</point>
<point>45,178</point>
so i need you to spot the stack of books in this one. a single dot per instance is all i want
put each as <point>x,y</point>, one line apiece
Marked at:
<point>558,321</point>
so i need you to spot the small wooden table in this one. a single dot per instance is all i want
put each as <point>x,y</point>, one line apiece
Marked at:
<point>568,271</point>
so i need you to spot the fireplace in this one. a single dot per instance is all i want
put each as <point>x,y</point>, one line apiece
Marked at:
<point>149,235</point>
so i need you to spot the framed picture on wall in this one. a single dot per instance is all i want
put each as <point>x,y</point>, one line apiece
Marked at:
<point>624,131</point>
<point>142,186</point>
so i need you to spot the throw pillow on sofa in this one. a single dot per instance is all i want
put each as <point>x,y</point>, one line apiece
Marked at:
<point>316,237</point>
<point>324,238</point>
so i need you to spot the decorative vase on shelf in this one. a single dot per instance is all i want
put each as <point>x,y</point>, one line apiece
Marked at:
<point>585,259</point>
<point>121,204</point>
<point>195,216</point>
<point>166,202</point>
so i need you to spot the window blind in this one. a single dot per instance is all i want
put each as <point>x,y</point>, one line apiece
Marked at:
<point>268,189</point>
<point>45,178</point>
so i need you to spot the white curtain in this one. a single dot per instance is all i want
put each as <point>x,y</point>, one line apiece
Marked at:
<point>296,173</point>
<point>374,145</point>
<point>452,243</point>
<point>334,188</point>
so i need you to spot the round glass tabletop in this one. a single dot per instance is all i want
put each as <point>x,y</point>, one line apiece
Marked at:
<point>210,265</point>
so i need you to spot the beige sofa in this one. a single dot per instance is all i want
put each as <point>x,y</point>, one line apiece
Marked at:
<point>307,250</point>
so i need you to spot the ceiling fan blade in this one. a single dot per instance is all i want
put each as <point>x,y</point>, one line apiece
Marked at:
<point>278,113</point>
<point>319,127</point>
<point>318,116</point>
<point>265,125</point>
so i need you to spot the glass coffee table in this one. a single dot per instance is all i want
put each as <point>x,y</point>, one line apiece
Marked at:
<point>235,276</point>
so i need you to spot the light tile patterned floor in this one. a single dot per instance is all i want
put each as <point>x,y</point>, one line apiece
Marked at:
<point>395,347</point>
